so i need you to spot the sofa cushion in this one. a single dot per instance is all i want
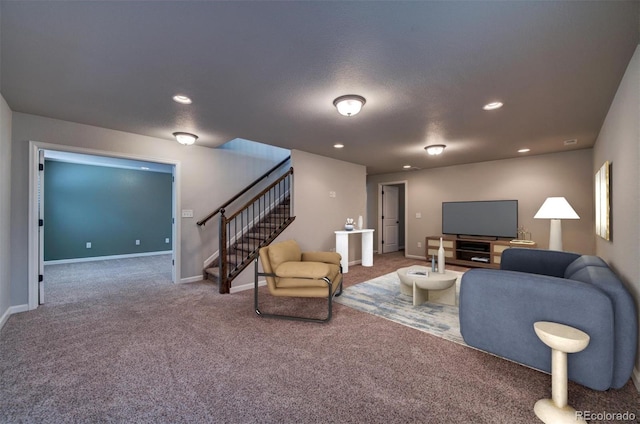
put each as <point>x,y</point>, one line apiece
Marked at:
<point>286,251</point>
<point>581,262</point>
<point>537,261</point>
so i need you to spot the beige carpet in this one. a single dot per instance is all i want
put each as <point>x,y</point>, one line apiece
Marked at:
<point>142,350</point>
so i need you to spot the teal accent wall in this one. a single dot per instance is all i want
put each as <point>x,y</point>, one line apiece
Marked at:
<point>109,207</point>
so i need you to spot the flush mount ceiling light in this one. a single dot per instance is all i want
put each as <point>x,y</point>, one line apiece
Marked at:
<point>435,149</point>
<point>179,98</point>
<point>492,106</point>
<point>350,104</point>
<point>185,138</point>
<point>525,150</point>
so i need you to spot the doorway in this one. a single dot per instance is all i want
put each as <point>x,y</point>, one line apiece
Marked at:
<point>392,208</point>
<point>37,153</point>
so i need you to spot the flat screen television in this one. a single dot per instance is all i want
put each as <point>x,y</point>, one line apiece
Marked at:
<point>491,218</point>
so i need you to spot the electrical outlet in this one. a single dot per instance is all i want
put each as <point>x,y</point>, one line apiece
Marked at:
<point>88,245</point>
<point>418,215</point>
<point>332,194</point>
<point>166,240</point>
<point>137,242</point>
<point>419,244</point>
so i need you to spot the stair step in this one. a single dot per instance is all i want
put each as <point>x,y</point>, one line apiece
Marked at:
<point>213,272</point>
<point>248,246</point>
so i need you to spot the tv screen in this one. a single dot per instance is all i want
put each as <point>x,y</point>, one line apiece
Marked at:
<point>492,218</point>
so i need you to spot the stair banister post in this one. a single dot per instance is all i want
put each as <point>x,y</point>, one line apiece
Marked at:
<point>222,256</point>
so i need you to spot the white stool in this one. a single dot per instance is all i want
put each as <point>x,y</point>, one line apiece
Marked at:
<point>562,339</point>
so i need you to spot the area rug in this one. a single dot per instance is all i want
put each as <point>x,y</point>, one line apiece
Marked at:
<point>381,297</point>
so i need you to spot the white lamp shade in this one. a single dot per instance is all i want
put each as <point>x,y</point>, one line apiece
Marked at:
<point>556,208</point>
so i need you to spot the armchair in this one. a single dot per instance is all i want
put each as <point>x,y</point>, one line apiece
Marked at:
<point>292,273</point>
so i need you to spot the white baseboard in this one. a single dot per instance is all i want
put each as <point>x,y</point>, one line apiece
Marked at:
<point>191,279</point>
<point>248,286</point>
<point>635,377</point>
<point>424,258</point>
<point>103,258</point>
<point>10,311</point>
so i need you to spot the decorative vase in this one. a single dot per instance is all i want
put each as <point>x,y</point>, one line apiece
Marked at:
<point>360,222</point>
<point>441,258</point>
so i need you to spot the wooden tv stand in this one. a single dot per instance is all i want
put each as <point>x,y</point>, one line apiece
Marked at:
<point>469,251</point>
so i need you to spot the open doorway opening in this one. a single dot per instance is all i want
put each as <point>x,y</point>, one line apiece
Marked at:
<point>95,211</point>
<point>392,218</point>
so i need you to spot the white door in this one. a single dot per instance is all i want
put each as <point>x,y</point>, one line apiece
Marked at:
<point>40,227</point>
<point>390,219</point>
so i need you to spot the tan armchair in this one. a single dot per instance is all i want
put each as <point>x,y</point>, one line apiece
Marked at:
<point>293,273</point>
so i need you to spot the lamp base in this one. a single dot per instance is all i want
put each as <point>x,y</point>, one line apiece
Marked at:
<point>555,235</point>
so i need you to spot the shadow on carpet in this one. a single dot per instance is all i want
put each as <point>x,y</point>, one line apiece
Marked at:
<point>381,296</point>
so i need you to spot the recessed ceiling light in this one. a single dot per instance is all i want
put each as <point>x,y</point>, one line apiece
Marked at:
<point>338,146</point>
<point>182,99</point>
<point>524,150</point>
<point>492,106</point>
<point>407,166</point>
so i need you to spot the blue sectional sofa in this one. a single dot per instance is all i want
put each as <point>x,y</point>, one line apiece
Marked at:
<point>498,309</point>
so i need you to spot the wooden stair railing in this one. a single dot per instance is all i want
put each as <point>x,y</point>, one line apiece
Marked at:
<point>256,224</point>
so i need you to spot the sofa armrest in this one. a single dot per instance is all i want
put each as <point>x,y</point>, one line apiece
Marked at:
<point>326,257</point>
<point>311,270</point>
<point>498,310</point>
<point>536,261</point>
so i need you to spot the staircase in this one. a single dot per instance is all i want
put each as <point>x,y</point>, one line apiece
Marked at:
<point>254,225</point>
<point>242,252</point>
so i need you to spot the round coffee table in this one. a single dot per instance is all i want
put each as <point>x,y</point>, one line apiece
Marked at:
<point>430,286</point>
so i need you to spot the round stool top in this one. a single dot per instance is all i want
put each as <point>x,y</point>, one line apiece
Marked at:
<point>561,337</point>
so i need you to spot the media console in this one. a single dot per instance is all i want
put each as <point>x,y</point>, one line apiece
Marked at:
<point>471,252</point>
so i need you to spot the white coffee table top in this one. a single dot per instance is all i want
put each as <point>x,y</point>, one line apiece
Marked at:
<point>433,281</point>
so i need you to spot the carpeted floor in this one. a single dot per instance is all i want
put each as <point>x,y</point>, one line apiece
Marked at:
<point>146,351</point>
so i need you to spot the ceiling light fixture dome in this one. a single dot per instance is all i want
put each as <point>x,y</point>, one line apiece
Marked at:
<point>435,149</point>
<point>350,104</point>
<point>185,138</point>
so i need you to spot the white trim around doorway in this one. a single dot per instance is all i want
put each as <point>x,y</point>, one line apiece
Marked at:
<point>405,183</point>
<point>33,254</point>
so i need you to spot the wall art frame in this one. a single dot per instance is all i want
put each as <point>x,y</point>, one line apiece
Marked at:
<point>603,201</point>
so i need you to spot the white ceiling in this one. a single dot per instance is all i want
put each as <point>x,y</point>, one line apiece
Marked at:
<point>269,71</point>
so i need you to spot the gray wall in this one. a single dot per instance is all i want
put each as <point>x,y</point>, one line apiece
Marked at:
<point>109,207</point>
<point>207,178</point>
<point>619,143</point>
<point>5,211</point>
<point>529,179</point>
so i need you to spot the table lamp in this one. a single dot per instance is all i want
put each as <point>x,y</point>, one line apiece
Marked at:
<point>555,209</point>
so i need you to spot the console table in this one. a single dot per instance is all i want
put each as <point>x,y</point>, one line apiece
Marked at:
<point>342,247</point>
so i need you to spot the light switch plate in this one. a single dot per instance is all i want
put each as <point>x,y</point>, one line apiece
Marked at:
<point>88,245</point>
<point>137,242</point>
<point>187,213</point>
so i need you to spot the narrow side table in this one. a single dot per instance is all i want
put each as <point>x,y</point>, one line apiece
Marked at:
<point>562,339</point>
